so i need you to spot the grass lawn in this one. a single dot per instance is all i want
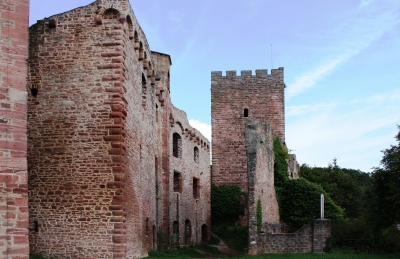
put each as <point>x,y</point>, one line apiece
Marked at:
<point>324,256</point>
<point>192,252</point>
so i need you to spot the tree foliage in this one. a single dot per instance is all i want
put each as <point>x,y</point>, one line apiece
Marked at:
<point>299,199</point>
<point>386,186</point>
<point>227,204</point>
<point>349,188</point>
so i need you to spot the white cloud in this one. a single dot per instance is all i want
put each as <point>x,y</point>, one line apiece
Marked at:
<point>204,128</point>
<point>353,132</point>
<point>310,78</point>
<point>365,3</point>
<point>349,39</point>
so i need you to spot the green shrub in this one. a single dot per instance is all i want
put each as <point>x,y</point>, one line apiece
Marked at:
<point>227,204</point>
<point>299,199</point>
<point>235,237</point>
<point>259,216</point>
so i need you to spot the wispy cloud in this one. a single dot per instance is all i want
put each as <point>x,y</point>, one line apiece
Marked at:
<point>365,3</point>
<point>349,39</point>
<point>353,132</point>
<point>309,79</point>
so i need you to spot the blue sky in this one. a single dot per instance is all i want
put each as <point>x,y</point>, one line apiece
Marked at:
<point>341,60</point>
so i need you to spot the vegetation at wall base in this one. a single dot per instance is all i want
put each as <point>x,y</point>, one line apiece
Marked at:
<point>227,204</point>
<point>323,256</point>
<point>236,237</point>
<point>299,199</point>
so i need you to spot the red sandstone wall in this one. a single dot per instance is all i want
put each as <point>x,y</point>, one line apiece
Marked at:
<point>13,164</point>
<point>197,212</point>
<point>94,140</point>
<point>263,96</point>
<point>99,137</point>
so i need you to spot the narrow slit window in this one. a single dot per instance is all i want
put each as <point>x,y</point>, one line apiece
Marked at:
<point>177,182</point>
<point>246,112</point>
<point>196,154</point>
<point>195,188</point>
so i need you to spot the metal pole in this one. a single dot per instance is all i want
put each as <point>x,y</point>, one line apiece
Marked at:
<point>322,206</point>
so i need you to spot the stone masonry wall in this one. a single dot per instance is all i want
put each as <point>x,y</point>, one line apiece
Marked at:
<point>94,137</point>
<point>14,243</point>
<point>260,164</point>
<point>311,238</point>
<point>261,97</point>
<point>185,206</point>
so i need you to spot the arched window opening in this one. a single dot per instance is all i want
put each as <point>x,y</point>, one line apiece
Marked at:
<point>204,233</point>
<point>136,40</point>
<point>246,112</point>
<point>143,84</point>
<point>188,232</point>
<point>175,232</point>
<point>176,145</point>
<point>130,27</point>
<point>154,245</point>
<point>141,54</point>
<point>196,154</point>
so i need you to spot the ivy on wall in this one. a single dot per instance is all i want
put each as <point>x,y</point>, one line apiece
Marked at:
<point>299,199</point>
<point>259,216</point>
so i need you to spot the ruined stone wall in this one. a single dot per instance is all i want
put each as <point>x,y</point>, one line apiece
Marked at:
<point>94,138</point>
<point>162,68</point>
<point>293,167</point>
<point>236,101</point>
<point>186,205</point>
<point>13,163</point>
<point>260,163</point>
<point>311,238</point>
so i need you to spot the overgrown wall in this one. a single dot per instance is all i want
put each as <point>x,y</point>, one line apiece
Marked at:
<point>14,241</point>
<point>260,163</point>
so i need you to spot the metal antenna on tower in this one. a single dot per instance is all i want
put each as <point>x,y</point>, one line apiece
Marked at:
<point>272,63</point>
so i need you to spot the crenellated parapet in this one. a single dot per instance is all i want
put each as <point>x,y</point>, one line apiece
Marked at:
<point>276,74</point>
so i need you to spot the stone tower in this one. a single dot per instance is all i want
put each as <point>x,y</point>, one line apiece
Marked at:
<point>235,102</point>
<point>14,241</point>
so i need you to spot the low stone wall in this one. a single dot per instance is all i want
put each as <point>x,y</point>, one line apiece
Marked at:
<point>311,238</point>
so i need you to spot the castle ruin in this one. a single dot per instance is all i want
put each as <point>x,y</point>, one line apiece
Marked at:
<point>114,169</point>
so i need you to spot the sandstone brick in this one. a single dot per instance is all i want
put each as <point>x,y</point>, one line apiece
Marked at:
<point>13,163</point>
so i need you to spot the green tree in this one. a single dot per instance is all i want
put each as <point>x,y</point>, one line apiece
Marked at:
<point>349,188</point>
<point>298,199</point>
<point>386,186</point>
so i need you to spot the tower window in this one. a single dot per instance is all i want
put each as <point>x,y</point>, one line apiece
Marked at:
<point>177,182</point>
<point>246,112</point>
<point>196,188</point>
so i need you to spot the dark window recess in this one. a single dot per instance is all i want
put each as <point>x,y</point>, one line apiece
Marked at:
<point>176,145</point>
<point>36,226</point>
<point>176,227</point>
<point>196,154</point>
<point>195,188</point>
<point>246,112</point>
<point>177,182</point>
